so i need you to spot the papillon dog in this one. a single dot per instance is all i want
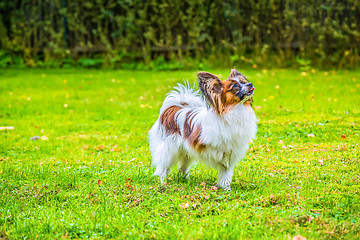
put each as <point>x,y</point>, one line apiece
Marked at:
<point>213,126</point>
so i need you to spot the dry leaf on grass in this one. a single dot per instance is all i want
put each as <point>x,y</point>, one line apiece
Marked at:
<point>299,237</point>
<point>44,138</point>
<point>100,147</point>
<point>185,205</point>
<point>6,128</point>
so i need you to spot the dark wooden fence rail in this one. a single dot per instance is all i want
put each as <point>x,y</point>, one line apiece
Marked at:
<point>324,31</point>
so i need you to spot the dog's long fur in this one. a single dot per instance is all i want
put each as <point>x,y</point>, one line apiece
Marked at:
<point>214,127</point>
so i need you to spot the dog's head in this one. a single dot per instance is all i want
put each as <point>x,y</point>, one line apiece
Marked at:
<point>224,95</point>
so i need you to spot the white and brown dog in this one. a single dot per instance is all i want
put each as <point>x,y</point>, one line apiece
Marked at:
<point>214,128</point>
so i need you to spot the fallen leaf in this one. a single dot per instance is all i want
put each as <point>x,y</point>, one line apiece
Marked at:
<point>185,205</point>
<point>343,136</point>
<point>6,128</point>
<point>65,236</point>
<point>44,138</point>
<point>299,237</point>
<point>129,186</point>
<point>100,148</point>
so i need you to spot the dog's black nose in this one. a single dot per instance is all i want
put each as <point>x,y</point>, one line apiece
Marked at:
<point>250,86</point>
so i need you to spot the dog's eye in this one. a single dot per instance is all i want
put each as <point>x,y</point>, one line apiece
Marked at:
<point>234,87</point>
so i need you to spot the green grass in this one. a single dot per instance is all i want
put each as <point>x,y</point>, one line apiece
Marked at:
<point>93,177</point>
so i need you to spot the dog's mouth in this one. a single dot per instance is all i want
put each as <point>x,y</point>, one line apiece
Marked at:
<point>250,92</point>
<point>247,90</point>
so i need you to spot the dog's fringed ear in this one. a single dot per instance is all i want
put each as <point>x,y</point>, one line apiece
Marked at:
<point>237,75</point>
<point>211,87</point>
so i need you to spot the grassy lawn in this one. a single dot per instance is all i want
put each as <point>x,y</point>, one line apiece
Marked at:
<point>90,176</point>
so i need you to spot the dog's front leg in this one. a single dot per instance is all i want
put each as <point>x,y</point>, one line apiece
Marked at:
<point>225,177</point>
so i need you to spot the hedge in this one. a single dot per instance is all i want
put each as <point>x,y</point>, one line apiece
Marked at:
<point>264,32</point>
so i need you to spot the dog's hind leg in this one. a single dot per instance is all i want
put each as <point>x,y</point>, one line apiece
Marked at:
<point>185,165</point>
<point>164,158</point>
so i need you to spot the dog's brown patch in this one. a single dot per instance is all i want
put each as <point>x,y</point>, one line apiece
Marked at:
<point>193,133</point>
<point>248,102</point>
<point>168,120</point>
<point>211,87</point>
<point>195,140</point>
<point>228,98</point>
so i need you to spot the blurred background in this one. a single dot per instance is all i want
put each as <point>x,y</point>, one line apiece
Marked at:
<point>186,34</point>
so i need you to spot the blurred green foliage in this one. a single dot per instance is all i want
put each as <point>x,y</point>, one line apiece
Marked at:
<point>153,34</point>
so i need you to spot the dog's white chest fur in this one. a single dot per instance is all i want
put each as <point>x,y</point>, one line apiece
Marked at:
<point>226,137</point>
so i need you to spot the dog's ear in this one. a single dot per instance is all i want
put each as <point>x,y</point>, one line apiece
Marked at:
<point>211,87</point>
<point>237,75</point>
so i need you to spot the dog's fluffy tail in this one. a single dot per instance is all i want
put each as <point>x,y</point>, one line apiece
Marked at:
<point>183,96</point>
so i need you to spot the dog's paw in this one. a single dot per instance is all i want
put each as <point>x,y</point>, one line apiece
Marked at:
<point>225,187</point>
